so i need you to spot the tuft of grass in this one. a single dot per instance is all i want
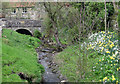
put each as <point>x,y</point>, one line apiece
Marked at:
<point>19,56</point>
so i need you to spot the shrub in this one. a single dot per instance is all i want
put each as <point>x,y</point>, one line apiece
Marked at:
<point>37,34</point>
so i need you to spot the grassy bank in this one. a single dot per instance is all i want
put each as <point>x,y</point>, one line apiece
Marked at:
<point>97,61</point>
<point>19,56</point>
<point>69,64</point>
<point>0,60</point>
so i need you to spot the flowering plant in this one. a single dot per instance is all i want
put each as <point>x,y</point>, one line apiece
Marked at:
<point>107,45</point>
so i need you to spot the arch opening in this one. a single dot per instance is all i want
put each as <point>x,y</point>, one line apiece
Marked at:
<point>24,31</point>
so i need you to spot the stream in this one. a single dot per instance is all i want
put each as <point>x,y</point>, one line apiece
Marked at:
<point>52,74</point>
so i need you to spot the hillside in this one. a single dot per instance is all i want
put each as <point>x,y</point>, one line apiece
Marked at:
<point>19,58</point>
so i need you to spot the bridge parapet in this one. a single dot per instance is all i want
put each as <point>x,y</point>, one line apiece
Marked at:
<point>28,24</point>
<point>22,23</point>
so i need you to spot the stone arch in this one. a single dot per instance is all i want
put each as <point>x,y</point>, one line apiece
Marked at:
<point>24,31</point>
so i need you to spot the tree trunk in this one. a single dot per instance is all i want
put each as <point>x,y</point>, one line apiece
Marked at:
<point>105,15</point>
<point>56,34</point>
<point>52,18</point>
<point>79,66</point>
<point>114,17</point>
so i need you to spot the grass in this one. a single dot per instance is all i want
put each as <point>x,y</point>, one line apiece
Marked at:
<point>68,62</point>
<point>19,56</point>
<point>0,60</point>
<point>91,64</point>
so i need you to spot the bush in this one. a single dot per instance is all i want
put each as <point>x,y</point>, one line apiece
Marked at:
<point>34,42</point>
<point>37,34</point>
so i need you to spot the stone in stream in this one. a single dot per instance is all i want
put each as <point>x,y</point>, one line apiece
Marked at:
<point>56,66</point>
<point>54,71</point>
<point>39,59</point>
<point>63,81</point>
<point>53,64</point>
<point>47,60</point>
<point>47,50</point>
<point>49,66</point>
<point>50,62</point>
<point>61,76</point>
<point>52,74</point>
<point>58,72</point>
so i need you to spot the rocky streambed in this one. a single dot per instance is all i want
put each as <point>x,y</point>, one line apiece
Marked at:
<point>52,74</point>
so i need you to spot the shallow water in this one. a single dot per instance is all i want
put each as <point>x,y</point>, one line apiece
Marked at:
<point>45,60</point>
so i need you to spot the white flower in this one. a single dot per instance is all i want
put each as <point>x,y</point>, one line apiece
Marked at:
<point>115,48</point>
<point>114,55</point>
<point>94,66</point>
<point>116,52</point>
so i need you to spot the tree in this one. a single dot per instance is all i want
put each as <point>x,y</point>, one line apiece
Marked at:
<point>105,15</point>
<point>53,9</point>
<point>114,17</point>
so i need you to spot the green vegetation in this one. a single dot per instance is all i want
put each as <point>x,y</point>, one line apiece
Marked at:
<point>0,60</point>
<point>119,26</point>
<point>69,23</point>
<point>72,25</point>
<point>106,44</point>
<point>19,56</point>
<point>37,34</point>
<point>100,64</point>
<point>119,18</point>
<point>85,27</point>
<point>69,64</point>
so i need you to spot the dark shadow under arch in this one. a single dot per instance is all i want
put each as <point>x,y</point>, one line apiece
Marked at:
<point>24,31</point>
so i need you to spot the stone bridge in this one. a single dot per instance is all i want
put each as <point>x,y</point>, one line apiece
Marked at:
<point>23,26</point>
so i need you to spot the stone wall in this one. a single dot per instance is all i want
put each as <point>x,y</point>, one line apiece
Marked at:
<point>22,23</point>
<point>34,13</point>
<point>28,24</point>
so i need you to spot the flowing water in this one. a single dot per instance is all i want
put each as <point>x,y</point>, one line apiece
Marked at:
<point>51,73</point>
